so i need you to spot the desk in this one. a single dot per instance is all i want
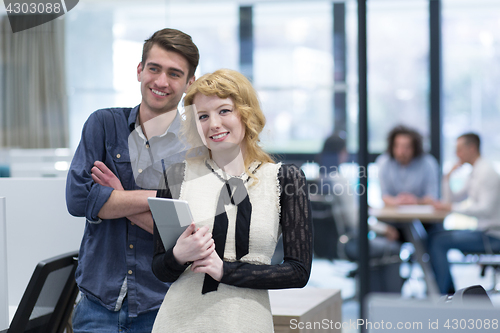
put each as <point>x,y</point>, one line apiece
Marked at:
<point>305,306</point>
<point>410,220</point>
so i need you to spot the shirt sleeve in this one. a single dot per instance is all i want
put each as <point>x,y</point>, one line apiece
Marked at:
<point>484,190</point>
<point>84,198</point>
<point>296,223</point>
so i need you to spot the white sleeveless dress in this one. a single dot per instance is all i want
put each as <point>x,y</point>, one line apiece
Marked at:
<point>229,309</point>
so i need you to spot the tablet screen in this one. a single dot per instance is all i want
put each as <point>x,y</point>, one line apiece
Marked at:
<point>171,217</point>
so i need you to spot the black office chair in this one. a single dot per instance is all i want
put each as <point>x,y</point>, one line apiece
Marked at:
<point>470,294</point>
<point>48,300</point>
<point>334,239</point>
<point>486,259</point>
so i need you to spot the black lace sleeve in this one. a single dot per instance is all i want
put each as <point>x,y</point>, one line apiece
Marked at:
<point>164,265</point>
<point>297,230</point>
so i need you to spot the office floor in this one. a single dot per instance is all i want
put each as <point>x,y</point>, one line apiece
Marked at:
<point>328,274</point>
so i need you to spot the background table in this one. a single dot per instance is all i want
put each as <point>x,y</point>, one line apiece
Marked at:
<point>411,222</point>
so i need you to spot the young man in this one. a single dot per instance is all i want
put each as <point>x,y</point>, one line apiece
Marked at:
<point>479,198</point>
<point>407,174</point>
<point>119,290</point>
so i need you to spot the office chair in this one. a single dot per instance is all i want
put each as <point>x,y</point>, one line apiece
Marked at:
<point>485,260</point>
<point>467,295</point>
<point>335,238</point>
<point>48,300</point>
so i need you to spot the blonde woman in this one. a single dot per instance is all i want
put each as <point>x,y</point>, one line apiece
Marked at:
<point>241,202</point>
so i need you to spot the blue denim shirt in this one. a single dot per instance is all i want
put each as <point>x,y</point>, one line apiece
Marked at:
<point>419,177</point>
<point>112,250</point>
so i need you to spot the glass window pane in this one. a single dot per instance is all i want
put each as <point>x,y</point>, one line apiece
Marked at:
<point>214,29</point>
<point>398,44</point>
<point>471,75</point>
<point>104,46</point>
<point>293,73</point>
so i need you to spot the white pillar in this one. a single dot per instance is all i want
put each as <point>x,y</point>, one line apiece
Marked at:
<point>4,290</point>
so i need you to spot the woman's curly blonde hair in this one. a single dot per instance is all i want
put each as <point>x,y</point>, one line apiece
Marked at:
<point>226,83</point>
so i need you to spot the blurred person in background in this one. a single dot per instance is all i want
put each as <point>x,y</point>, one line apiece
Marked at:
<point>408,175</point>
<point>479,198</point>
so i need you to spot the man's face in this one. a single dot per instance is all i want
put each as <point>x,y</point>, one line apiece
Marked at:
<point>464,151</point>
<point>403,149</point>
<point>163,80</point>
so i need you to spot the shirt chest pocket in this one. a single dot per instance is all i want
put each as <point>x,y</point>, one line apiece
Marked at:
<point>121,161</point>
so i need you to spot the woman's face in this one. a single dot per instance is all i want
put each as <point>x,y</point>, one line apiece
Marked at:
<point>219,123</point>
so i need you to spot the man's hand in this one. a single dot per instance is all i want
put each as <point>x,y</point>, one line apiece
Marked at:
<point>211,265</point>
<point>119,202</point>
<point>105,177</point>
<point>193,245</point>
<point>455,167</point>
<point>391,233</point>
<point>442,206</point>
<point>427,200</point>
<point>407,199</point>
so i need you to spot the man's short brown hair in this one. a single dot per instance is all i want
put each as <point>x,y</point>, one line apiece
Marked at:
<point>175,41</point>
<point>471,139</point>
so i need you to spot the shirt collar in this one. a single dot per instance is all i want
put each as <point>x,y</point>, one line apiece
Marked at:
<point>210,163</point>
<point>132,118</point>
<point>133,123</point>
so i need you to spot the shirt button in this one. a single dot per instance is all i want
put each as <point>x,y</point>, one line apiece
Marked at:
<point>140,170</point>
<point>132,223</point>
<point>130,272</point>
<point>118,155</point>
<point>147,146</point>
<point>131,246</point>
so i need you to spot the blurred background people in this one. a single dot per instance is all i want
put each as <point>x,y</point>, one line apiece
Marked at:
<point>480,198</point>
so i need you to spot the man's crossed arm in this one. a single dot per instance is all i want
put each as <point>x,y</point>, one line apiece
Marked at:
<point>122,203</point>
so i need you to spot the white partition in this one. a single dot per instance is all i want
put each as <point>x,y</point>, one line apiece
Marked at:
<point>4,297</point>
<point>38,227</point>
<point>39,162</point>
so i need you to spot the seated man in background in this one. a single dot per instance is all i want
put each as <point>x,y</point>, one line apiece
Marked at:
<point>407,175</point>
<point>479,198</point>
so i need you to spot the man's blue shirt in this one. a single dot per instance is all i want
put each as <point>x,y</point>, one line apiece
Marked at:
<point>114,251</point>
<point>419,177</point>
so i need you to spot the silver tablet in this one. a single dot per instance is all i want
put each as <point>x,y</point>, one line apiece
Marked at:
<point>171,217</point>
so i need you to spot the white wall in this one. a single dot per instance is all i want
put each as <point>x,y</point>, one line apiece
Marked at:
<point>38,227</point>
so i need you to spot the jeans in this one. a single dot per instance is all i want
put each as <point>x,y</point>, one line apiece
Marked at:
<point>463,240</point>
<point>92,317</point>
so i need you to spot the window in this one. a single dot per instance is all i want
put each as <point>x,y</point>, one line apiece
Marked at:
<point>293,73</point>
<point>398,74</point>
<point>104,46</point>
<point>471,75</point>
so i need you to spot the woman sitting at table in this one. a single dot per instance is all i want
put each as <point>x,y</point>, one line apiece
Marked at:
<point>241,201</point>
